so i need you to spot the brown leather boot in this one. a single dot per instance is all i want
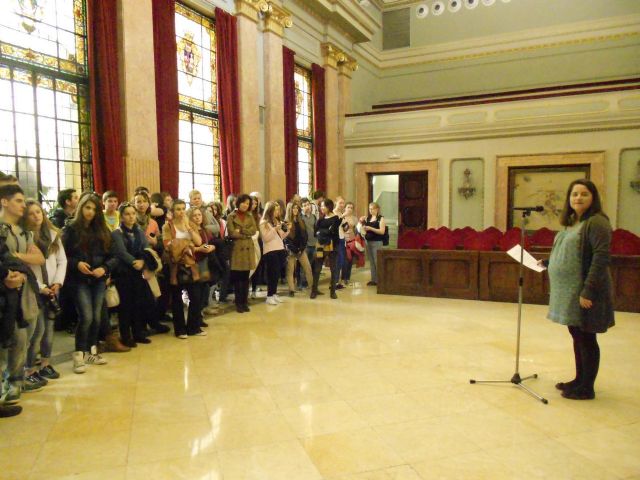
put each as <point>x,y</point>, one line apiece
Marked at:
<point>113,344</point>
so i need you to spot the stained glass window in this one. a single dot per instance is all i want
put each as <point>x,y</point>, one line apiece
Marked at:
<point>44,115</point>
<point>304,126</point>
<point>198,117</point>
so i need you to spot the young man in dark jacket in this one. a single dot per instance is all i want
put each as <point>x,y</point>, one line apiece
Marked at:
<point>67,203</point>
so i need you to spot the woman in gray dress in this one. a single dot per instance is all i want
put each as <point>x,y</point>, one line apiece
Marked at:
<point>581,285</point>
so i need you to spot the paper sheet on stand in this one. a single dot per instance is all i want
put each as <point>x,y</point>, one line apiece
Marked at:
<point>527,260</point>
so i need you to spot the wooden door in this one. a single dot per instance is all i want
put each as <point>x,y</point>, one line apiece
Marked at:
<point>412,201</point>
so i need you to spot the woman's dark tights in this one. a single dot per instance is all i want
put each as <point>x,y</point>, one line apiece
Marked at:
<point>587,355</point>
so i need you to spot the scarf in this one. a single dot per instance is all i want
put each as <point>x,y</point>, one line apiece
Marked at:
<point>132,239</point>
<point>143,220</point>
<point>43,242</point>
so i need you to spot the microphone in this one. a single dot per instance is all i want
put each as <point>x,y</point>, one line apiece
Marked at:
<point>538,208</point>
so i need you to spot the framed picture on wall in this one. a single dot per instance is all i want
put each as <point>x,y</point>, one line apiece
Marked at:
<point>545,186</point>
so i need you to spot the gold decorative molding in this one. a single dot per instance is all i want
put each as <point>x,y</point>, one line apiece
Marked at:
<point>277,19</point>
<point>251,8</point>
<point>335,57</point>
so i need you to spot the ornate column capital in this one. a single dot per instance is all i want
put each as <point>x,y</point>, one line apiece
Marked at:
<point>251,8</point>
<point>277,19</point>
<point>335,57</point>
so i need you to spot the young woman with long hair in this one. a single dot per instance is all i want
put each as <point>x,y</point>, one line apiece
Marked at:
<point>148,225</point>
<point>202,253</point>
<point>581,294</point>
<point>258,277</point>
<point>87,242</point>
<point>326,250</point>
<point>241,227</point>
<point>373,228</point>
<point>50,278</point>
<point>348,228</point>
<point>296,243</point>
<point>180,234</point>
<point>272,232</point>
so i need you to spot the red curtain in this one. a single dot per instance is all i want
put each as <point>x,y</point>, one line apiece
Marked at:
<point>104,96</point>
<point>290,133</point>
<point>228,102</point>
<point>319,128</point>
<point>166,70</point>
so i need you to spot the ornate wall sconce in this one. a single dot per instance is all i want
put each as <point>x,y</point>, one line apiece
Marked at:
<point>635,184</point>
<point>467,190</point>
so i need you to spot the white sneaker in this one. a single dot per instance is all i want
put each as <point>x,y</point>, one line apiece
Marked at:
<point>78,362</point>
<point>183,336</point>
<point>278,299</point>
<point>271,301</point>
<point>253,294</point>
<point>94,358</point>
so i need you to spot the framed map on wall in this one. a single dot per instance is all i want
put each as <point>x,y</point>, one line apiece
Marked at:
<point>545,186</point>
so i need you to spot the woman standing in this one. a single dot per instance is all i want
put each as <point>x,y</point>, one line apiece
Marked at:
<point>143,214</point>
<point>348,227</point>
<point>373,228</point>
<point>241,227</point>
<point>50,278</point>
<point>137,305</point>
<point>272,231</point>
<point>328,238</point>
<point>581,285</point>
<point>180,238</point>
<point>296,243</point>
<point>87,242</point>
<point>258,276</point>
<point>202,259</point>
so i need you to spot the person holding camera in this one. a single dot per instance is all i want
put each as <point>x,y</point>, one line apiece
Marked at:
<point>50,278</point>
<point>373,228</point>
<point>327,233</point>
<point>296,244</point>
<point>272,232</point>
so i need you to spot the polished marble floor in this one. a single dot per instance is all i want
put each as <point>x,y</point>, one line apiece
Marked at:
<point>368,387</point>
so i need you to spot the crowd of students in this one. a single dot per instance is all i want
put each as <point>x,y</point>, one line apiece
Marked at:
<point>144,260</point>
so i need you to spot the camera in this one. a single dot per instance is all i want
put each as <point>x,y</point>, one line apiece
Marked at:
<point>284,226</point>
<point>54,305</point>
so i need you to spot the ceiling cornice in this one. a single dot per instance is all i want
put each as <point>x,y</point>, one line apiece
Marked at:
<point>577,33</point>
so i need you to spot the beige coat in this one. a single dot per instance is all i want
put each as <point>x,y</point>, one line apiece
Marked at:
<point>243,256</point>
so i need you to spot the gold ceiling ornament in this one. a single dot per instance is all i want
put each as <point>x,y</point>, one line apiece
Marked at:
<point>276,19</point>
<point>335,57</point>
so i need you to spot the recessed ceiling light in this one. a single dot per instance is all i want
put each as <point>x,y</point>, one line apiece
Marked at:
<point>437,8</point>
<point>455,5</point>
<point>471,4</point>
<point>422,11</point>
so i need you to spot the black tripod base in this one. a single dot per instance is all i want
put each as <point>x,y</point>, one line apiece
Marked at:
<point>517,381</point>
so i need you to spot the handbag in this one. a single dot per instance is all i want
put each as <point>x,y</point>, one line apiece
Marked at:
<point>111,296</point>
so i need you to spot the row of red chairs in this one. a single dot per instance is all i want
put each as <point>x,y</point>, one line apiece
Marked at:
<point>623,242</point>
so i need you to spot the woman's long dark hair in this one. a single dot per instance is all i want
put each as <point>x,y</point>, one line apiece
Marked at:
<point>96,230</point>
<point>568,215</point>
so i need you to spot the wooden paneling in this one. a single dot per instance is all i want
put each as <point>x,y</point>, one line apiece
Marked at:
<point>487,276</point>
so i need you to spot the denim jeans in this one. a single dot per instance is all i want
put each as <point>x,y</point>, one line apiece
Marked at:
<point>372,256</point>
<point>12,359</point>
<point>89,299</point>
<point>310,252</point>
<point>41,339</point>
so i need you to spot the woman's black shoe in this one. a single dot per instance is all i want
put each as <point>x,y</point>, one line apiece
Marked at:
<point>579,393</point>
<point>340,286</point>
<point>333,294</point>
<point>292,293</point>
<point>314,294</point>
<point>203,324</point>
<point>142,340</point>
<point>159,328</point>
<point>240,308</point>
<point>246,308</point>
<point>564,386</point>
<point>371,284</point>
<point>7,411</point>
<point>131,343</point>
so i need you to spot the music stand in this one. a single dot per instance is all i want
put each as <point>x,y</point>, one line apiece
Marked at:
<point>516,379</point>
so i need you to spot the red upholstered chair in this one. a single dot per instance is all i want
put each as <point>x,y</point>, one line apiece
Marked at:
<point>480,241</point>
<point>409,240</point>
<point>543,237</point>
<point>511,238</point>
<point>493,232</point>
<point>460,234</point>
<point>442,240</point>
<point>426,236</point>
<point>624,242</point>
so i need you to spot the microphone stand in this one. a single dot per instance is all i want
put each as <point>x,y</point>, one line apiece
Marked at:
<point>516,379</point>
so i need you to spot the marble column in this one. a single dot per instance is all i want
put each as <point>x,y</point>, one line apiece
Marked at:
<point>276,20</point>
<point>330,57</point>
<point>252,168</point>
<point>345,72</point>
<point>138,95</point>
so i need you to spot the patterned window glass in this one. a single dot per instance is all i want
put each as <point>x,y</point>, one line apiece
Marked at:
<point>45,135</point>
<point>304,126</point>
<point>198,117</point>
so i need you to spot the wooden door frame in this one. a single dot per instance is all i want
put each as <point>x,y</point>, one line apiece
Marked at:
<point>363,170</point>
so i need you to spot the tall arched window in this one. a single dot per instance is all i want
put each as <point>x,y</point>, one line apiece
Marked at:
<point>199,166</point>
<point>45,137</point>
<point>304,128</point>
